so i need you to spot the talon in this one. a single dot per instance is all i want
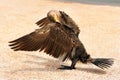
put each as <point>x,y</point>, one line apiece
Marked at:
<point>63,67</point>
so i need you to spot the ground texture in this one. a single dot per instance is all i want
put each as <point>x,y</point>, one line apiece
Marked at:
<point>100,33</point>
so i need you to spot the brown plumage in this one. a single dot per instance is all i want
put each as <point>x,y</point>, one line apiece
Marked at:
<point>50,40</point>
<point>58,37</point>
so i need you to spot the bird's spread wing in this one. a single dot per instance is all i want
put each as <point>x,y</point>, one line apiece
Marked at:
<point>43,22</point>
<point>52,39</point>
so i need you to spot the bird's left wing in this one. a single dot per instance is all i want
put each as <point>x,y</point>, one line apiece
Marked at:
<point>52,39</point>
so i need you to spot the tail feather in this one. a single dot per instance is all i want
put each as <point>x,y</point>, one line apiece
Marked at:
<point>102,62</point>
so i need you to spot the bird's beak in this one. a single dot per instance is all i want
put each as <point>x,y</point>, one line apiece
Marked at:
<point>56,18</point>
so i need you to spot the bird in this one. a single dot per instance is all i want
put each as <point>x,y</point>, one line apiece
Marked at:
<point>58,36</point>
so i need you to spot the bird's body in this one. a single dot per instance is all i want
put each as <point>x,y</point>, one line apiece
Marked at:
<point>58,37</point>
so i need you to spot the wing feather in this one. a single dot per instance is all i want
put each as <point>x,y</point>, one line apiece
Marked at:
<point>69,22</point>
<point>52,39</point>
<point>43,22</point>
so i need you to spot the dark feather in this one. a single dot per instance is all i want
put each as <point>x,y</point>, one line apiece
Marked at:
<point>51,38</point>
<point>69,22</point>
<point>102,62</point>
<point>42,22</point>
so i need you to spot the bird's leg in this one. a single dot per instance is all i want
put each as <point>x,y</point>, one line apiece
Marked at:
<point>74,61</point>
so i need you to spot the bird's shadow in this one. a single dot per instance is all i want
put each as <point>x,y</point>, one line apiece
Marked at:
<point>53,65</point>
<point>93,70</point>
<point>46,64</point>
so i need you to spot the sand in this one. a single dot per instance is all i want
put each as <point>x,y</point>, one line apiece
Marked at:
<point>100,33</point>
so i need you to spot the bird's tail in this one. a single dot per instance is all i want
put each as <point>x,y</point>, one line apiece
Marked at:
<point>102,62</point>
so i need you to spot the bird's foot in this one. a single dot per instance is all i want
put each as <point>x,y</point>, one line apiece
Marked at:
<point>63,67</point>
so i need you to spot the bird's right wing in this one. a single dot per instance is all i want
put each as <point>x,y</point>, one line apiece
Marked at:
<point>52,39</point>
<point>69,22</point>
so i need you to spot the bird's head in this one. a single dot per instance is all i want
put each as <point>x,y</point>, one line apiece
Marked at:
<point>54,15</point>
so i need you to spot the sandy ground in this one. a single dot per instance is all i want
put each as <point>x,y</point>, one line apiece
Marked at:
<point>100,33</point>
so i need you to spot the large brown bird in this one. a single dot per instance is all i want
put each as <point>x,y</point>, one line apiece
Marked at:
<point>58,37</point>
